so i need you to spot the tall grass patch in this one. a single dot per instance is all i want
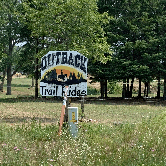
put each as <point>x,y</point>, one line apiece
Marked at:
<point>97,144</point>
<point>114,133</point>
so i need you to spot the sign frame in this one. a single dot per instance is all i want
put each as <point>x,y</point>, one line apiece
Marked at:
<point>63,68</point>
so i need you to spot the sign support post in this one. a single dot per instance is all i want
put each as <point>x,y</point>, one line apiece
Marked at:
<point>63,111</point>
<point>82,108</point>
<point>61,120</point>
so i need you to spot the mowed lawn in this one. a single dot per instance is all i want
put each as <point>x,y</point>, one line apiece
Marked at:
<point>113,133</point>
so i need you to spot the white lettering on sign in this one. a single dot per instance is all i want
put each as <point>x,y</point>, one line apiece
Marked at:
<point>61,68</point>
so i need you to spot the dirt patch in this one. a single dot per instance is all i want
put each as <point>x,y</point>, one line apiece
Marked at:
<point>94,84</point>
<point>19,75</point>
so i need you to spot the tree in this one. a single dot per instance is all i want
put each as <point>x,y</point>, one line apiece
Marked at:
<point>133,33</point>
<point>10,33</point>
<point>100,73</point>
<point>160,33</point>
<point>67,25</point>
<point>3,62</point>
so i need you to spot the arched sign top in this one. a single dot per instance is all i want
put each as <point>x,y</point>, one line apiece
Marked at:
<point>60,68</point>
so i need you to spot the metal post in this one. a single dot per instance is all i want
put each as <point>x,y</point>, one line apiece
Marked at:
<point>68,104</point>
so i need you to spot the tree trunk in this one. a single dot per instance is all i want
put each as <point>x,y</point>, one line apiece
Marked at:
<point>164,94</point>
<point>1,87</point>
<point>145,90</point>
<point>9,64</point>
<point>158,91</point>
<point>9,69</point>
<point>127,93</point>
<point>124,89</point>
<point>139,92</point>
<point>106,88</point>
<point>102,87</point>
<point>36,72</point>
<point>36,79</point>
<point>131,87</point>
<point>148,89</point>
<point>9,80</point>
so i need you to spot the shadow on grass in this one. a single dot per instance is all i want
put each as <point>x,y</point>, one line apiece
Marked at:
<point>18,85</point>
<point>88,100</point>
<point>30,99</point>
<point>28,119</point>
<point>126,101</point>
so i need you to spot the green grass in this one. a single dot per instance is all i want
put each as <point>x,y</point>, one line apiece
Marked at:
<point>97,144</point>
<point>20,87</point>
<point>118,133</point>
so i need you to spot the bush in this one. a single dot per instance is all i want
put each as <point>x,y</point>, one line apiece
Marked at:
<point>114,88</point>
<point>93,91</point>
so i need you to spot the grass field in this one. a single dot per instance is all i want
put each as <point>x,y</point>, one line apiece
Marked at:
<point>114,133</point>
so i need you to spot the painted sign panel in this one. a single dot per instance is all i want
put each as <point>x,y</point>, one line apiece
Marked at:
<point>63,68</point>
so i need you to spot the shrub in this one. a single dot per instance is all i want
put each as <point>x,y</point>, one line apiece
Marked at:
<point>114,88</point>
<point>93,91</point>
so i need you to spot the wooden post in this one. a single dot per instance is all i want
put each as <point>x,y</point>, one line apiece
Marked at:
<point>63,111</point>
<point>61,119</point>
<point>82,107</point>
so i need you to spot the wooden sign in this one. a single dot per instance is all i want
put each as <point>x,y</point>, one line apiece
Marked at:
<point>63,68</point>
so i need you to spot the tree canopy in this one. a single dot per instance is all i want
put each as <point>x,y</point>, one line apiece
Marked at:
<point>69,25</point>
<point>131,31</point>
<point>136,33</point>
<point>50,25</point>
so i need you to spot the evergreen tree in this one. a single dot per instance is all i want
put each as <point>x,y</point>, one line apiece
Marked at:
<point>134,34</point>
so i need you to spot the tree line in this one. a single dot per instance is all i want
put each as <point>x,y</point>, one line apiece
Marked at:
<point>136,34</point>
<point>123,39</point>
<point>44,25</point>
